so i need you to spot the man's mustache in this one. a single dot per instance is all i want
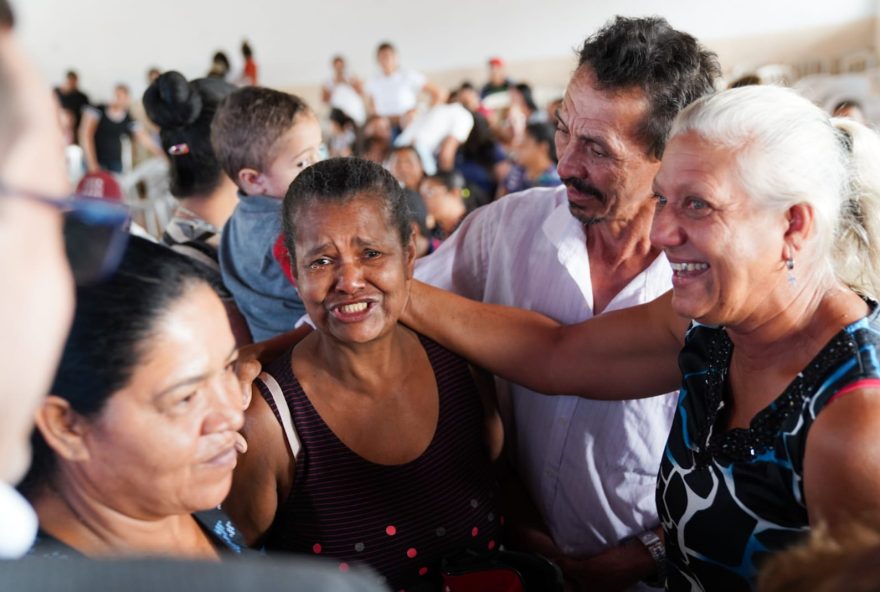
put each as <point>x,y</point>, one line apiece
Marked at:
<point>583,187</point>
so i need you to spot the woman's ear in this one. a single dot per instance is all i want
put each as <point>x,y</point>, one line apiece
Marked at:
<point>410,253</point>
<point>62,428</point>
<point>800,219</point>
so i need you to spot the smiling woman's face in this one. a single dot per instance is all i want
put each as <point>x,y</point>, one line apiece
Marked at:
<point>726,251</point>
<point>164,444</point>
<point>352,272</point>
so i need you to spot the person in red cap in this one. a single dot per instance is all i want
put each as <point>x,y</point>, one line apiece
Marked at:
<point>498,80</point>
<point>100,184</point>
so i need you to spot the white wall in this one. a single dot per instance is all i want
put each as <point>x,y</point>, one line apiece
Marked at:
<point>117,40</point>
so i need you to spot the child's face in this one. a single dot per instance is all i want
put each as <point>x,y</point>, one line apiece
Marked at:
<point>299,147</point>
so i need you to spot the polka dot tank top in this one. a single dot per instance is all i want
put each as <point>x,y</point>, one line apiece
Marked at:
<point>401,520</point>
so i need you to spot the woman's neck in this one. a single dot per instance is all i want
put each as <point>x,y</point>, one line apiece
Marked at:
<point>366,367</point>
<point>215,207</point>
<point>798,329</point>
<point>80,520</point>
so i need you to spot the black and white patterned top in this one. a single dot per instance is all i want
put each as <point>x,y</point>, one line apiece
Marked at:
<point>729,499</point>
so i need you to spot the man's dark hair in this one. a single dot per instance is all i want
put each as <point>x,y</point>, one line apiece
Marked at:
<point>338,181</point>
<point>669,66</point>
<point>383,46</point>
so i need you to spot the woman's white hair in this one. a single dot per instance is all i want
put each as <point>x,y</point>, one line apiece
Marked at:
<point>788,151</point>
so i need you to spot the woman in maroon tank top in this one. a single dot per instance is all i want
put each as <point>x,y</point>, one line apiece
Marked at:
<point>394,468</point>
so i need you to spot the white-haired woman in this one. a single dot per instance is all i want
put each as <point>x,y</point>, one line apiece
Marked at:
<point>768,212</point>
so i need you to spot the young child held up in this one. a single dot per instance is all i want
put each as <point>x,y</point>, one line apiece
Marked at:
<point>263,139</point>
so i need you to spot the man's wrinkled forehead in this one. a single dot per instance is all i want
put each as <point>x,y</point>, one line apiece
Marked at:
<point>588,108</point>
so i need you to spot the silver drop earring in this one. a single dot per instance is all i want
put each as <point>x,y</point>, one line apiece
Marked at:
<point>789,265</point>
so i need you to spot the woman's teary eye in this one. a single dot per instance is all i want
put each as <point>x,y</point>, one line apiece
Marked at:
<point>320,262</point>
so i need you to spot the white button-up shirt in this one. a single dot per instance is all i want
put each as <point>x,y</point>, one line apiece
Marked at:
<point>591,466</point>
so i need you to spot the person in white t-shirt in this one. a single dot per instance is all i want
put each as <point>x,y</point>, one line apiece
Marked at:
<point>343,91</point>
<point>437,134</point>
<point>395,90</point>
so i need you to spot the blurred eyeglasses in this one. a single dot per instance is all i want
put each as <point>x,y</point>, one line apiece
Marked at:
<point>95,232</point>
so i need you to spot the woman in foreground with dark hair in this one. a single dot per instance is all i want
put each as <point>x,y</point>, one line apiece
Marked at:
<point>135,445</point>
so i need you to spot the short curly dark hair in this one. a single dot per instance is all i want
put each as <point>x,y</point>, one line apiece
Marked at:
<point>337,181</point>
<point>670,66</point>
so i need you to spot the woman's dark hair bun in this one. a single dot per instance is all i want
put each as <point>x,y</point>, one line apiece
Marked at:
<point>172,102</point>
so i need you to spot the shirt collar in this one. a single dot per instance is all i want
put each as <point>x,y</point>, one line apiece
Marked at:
<point>18,523</point>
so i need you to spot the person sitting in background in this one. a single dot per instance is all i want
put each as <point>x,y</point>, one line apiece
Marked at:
<point>343,134</point>
<point>375,142</point>
<point>442,194</point>
<point>206,195</point>
<point>72,99</point>
<point>263,139</point>
<point>522,111</point>
<point>375,149</point>
<point>480,158</point>
<point>219,66</point>
<point>136,444</point>
<point>394,91</point>
<point>406,166</point>
<point>249,73</point>
<point>769,213</point>
<point>535,159</point>
<point>102,128</point>
<point>344,91</point>
<point>467,95</point>
<point>364,415</point>
<point>498,80</point>
<point>437,134</point>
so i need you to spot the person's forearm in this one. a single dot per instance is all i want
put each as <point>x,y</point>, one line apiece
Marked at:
<point>617,568</point>
<point>624,354</point>
<point>446,155</point>
<point>506,341</point>
<point>88,146</point>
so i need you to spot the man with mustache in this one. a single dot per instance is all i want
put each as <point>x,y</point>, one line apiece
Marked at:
<point>576,251</point>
